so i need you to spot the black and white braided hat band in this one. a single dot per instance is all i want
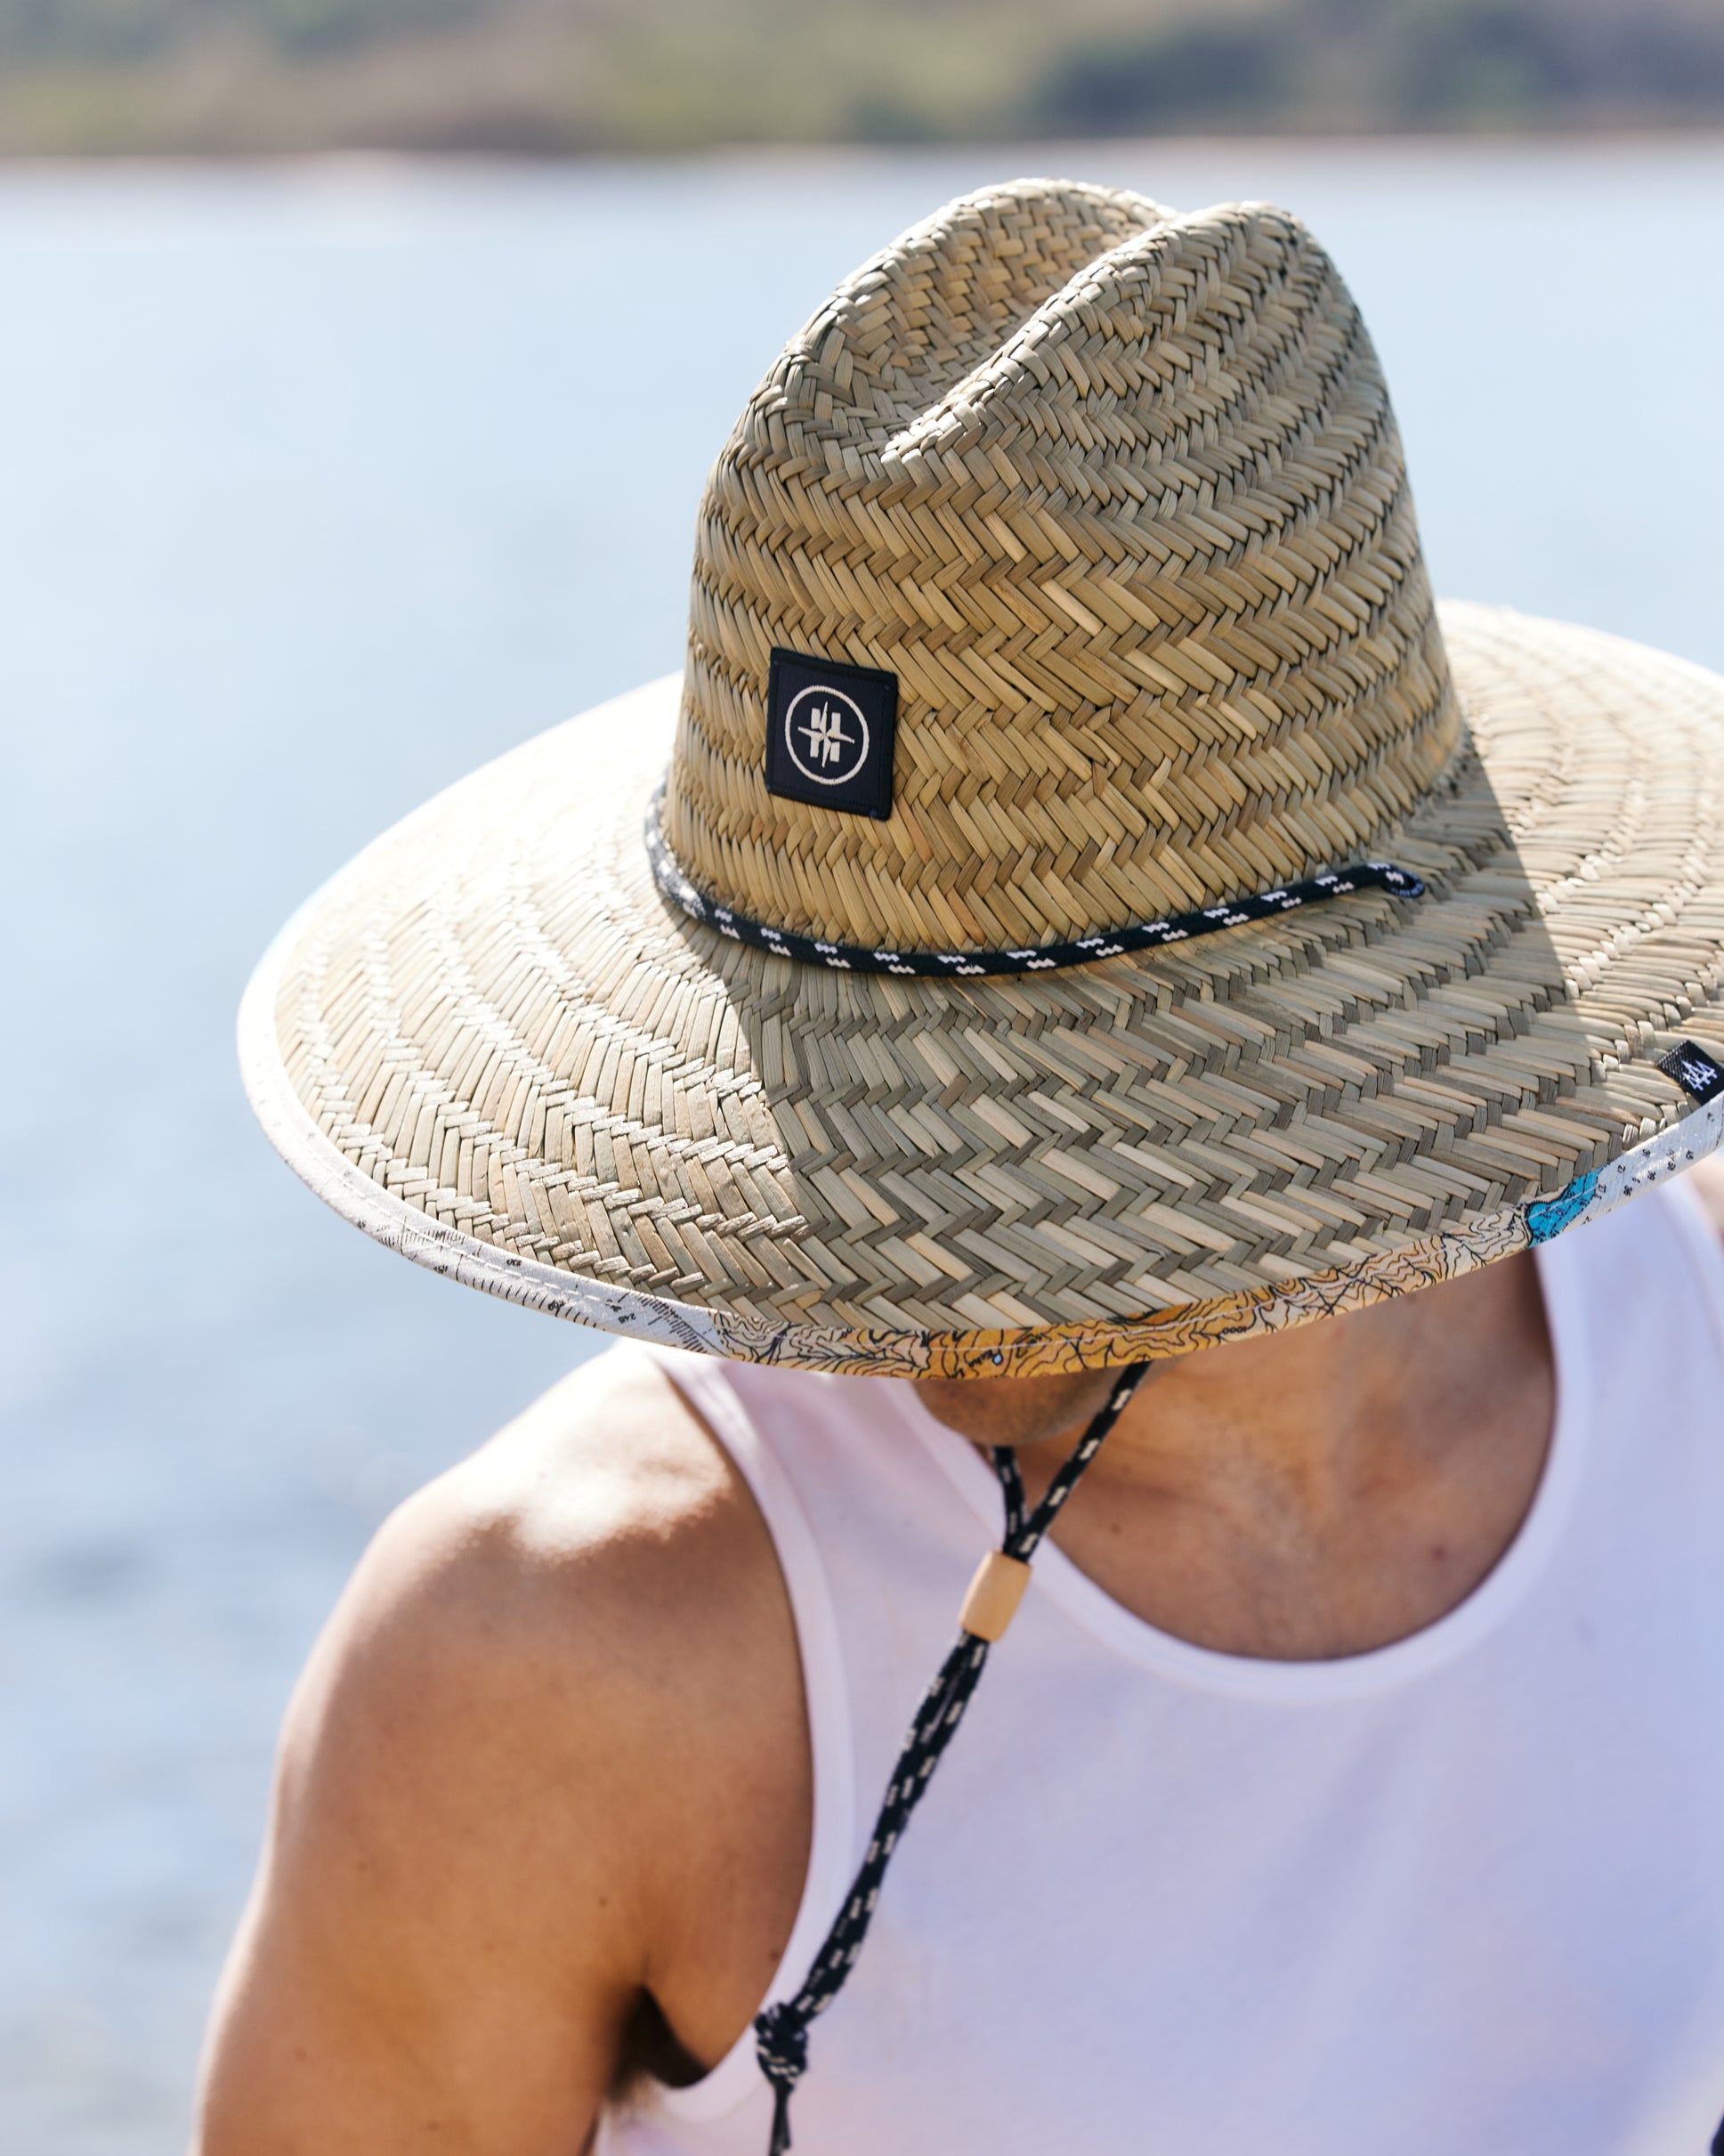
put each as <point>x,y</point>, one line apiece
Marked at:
<point>668,874</point>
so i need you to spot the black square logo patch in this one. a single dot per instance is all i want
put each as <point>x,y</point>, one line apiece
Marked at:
<point>1694,1071</point>
<point>831,732</point>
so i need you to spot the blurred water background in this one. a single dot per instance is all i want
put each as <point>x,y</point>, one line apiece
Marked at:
<point>319,486</point>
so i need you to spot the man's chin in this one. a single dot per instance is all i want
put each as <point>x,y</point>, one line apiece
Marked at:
<point>1015,1410</point>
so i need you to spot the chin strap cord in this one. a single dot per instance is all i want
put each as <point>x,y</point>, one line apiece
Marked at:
<point>782,2029</point>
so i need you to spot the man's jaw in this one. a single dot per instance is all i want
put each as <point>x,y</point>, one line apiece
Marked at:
<point>1016,1411</point>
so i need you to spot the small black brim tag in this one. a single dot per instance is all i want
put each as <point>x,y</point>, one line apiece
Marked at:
<point>830,733</point>
<point>1694,1071</point>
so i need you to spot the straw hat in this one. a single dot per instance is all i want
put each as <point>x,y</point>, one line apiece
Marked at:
<point>940,976</point>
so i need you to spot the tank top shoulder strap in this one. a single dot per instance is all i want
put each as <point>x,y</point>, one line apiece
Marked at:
<point>1697,1237</point>
<point>705,1385</point>
<point>1645,1283</point>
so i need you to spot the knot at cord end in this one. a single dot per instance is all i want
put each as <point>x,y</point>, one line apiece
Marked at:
<point>781,2044</point>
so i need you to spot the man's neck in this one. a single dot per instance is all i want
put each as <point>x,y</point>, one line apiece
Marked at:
<point>1327,1490</point>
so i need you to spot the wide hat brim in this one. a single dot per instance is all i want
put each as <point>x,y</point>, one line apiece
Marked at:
<point>493,1044</point>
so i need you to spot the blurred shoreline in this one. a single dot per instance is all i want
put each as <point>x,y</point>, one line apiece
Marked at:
<point>1019,153</point>
<point>562,78</point>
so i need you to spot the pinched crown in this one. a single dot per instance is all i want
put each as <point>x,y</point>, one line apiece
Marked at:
<point>1118,496</point>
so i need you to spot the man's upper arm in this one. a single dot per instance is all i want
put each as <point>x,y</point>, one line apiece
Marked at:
<point>399,1977</point>
<point>459,1900</point>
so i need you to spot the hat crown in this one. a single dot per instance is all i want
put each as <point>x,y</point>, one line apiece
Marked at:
<point>1118,496</point>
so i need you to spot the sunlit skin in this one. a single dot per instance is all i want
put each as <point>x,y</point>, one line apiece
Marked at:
<point>545,1797</point>
<point>1316,1493</point>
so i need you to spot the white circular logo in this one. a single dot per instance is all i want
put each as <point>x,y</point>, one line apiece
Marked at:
<point>826,735</point>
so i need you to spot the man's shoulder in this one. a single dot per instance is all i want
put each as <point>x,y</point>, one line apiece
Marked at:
<point>591,1595</point>
<point>607,1481</point>
<point>594,1542</point>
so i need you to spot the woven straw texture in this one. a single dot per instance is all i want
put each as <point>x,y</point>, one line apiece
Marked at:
<point>1119,497</point>
<point>496,1018</point>
<point>492,1041</point>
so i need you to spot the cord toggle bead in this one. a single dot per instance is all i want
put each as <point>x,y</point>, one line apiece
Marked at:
<point>994,1595</point>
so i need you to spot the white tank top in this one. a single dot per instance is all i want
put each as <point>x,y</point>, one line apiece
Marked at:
<point>1462,1896</point>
